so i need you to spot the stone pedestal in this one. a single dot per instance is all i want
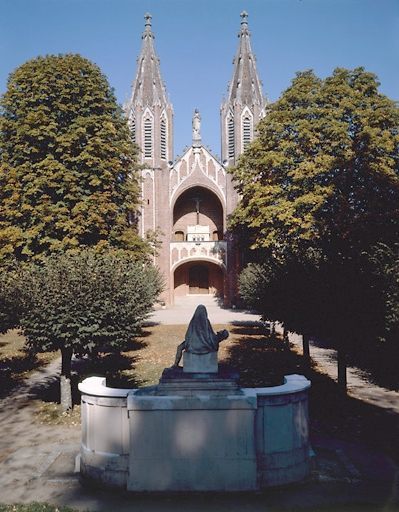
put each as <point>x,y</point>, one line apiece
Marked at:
<point>175,381</point>
<point>195,432</point>
<point>200,363</point>
<point>199,443</point>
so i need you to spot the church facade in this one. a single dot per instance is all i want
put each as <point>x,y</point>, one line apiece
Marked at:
<point>187,201</point>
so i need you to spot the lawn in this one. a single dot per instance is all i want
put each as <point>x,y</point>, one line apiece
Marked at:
<point>259,359</point>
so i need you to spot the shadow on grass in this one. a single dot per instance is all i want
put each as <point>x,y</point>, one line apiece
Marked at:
<point>262,360</point>
<point>114,366</point>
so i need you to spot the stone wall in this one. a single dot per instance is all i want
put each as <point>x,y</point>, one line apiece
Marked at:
<point>249,439</point>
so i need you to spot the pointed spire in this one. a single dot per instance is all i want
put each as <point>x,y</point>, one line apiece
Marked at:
<point>245,104</point>
<point>245,86</point>
<point>148,87</point>
<point>149,110</point>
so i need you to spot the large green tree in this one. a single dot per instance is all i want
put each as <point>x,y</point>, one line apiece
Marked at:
<point>320,190</point>
<point>67,162</point>
<point>84,303</point>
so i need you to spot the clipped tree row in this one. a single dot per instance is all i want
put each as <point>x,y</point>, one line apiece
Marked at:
<point>320,197</point>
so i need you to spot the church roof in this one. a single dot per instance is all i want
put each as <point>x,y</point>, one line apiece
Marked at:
<point>245,87</point>
<point>148,86</point>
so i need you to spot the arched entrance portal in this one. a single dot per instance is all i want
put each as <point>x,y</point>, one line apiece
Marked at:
<point>198,278</point>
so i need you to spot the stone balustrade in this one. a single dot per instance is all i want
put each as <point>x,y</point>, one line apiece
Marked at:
<point>214,251</point>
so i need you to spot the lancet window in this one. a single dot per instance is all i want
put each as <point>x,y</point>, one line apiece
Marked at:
<point>163,139</point>
<point>246,131</point>
<point>148,137</point>
<point>231,136</point>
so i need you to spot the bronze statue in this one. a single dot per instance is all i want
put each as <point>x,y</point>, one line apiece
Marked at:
<point>200,337</point>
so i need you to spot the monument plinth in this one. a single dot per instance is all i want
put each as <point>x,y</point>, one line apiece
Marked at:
<point>197,430</point>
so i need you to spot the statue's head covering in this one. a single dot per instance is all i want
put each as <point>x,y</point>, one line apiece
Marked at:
<point>200,337</point>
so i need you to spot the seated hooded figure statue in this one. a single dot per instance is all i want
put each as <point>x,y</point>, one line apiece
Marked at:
<point>200,337</point>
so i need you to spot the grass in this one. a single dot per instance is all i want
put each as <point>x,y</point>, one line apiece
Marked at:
<point>156,350</point>
<point>17,363</point>
<point>43,507</point>
<point>34,507</point>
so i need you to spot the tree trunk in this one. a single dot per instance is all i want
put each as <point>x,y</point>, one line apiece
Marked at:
<point>306,351</point>
<point>273,330</point>
<point>342,374</point>
<point>286,339</point>
<point>65,380</point>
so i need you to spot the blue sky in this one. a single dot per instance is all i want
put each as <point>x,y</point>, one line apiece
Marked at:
<point>196,42</point>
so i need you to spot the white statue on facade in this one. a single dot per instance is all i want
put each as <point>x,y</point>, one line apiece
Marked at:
<point>196,126</point>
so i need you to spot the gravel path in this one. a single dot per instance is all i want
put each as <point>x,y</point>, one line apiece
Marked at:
<point>27,449</point>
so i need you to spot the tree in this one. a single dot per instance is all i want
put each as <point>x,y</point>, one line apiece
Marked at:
<point>84,303</point>
<point>9,299</point>
<point>320,190</point>
<point>67,162</point>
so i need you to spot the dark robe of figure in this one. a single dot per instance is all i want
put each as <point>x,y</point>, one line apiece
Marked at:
<point>200,337</point>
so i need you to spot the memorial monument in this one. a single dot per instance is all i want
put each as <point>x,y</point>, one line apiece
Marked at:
<point>197,430</point>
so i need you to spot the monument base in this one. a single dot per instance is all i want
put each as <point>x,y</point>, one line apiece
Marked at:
<point>195,432</point>
<point>200,363</point>
<point>192,443</point>
<point>177,382</point>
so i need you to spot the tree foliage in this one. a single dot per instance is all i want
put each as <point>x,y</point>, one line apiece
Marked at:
<point>323,172</point>
<point>67,162</point>
<point>320,194</point>
<point>86,302</point>
<point>10,303</point>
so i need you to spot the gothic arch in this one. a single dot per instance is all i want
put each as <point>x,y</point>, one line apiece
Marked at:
<point>211,210</point>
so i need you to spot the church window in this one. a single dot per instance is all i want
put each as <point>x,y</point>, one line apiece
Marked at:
<point>230,135</point>
<point>133,127</point>
<point>147,138</point>
<point>163,138</point>
<point>246,132</point>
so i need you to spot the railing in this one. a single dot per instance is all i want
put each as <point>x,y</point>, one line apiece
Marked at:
<point>215,250</point>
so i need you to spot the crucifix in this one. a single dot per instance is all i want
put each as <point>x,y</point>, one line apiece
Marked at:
<point>197,207</point>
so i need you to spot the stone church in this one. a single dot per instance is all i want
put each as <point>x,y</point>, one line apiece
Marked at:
<point>188,200</point>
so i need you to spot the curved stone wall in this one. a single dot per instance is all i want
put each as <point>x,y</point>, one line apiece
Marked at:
<point>267,428</point>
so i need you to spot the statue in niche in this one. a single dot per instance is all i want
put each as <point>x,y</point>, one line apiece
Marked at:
<point>200,337</point>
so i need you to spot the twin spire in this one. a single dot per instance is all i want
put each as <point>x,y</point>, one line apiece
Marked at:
<point>148,87</point>
<point>240,112</point>
<point>245,87</point>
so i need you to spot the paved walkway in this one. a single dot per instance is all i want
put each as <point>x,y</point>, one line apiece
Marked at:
<point>359,385</point>
<point>183,310</point>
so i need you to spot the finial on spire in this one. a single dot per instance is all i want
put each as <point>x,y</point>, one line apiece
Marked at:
<point>148,19</point>
<point>244,17</point>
